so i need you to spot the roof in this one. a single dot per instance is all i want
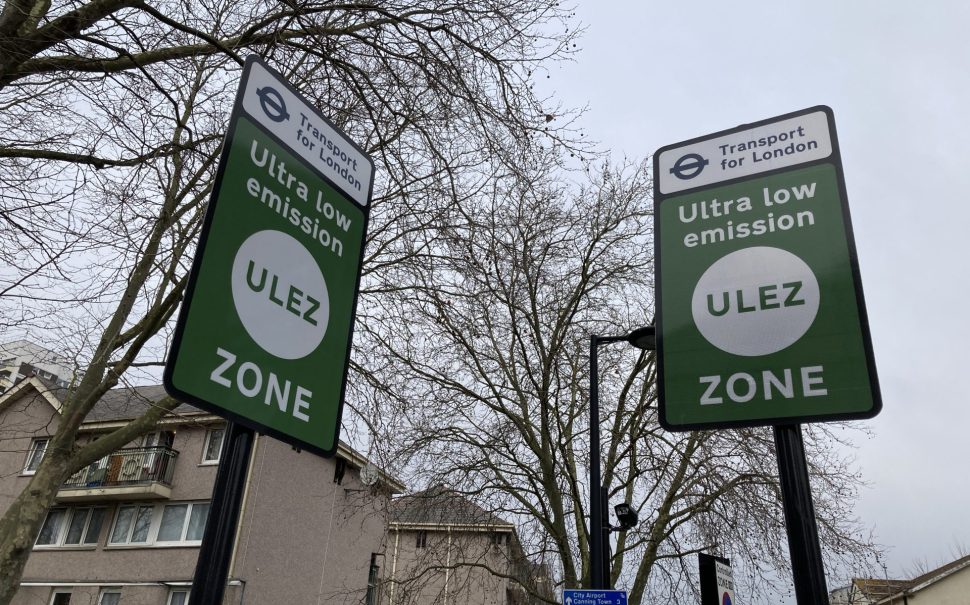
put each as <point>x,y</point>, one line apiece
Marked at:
<point>940,572</point>
<point>886,591</point>
<point>931,577</point>
<point>127,403</point>
<point>439,505</point>
<point>876,589</point>
<point>123,403</point>
<point>131,402</point>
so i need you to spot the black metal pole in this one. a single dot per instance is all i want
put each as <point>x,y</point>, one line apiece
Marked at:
<point>796,496</point>
<point>607,550</point>
<point>212,568</point>
<point>595,501</point>
<point>599,522</point>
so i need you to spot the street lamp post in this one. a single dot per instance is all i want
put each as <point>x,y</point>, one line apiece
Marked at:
<point>642,338</point>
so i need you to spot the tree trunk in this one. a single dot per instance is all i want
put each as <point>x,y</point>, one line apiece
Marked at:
<point>22,522</point>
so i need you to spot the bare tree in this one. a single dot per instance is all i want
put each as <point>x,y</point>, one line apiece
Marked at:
<point>444,548</point>
<point>487,352</point>
<point>112,117</point>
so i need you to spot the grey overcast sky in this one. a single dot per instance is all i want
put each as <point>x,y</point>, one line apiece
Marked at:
<point>897,76</point>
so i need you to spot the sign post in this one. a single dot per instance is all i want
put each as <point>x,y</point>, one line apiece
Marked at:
<point>264,333</point>
<point>760,317</point>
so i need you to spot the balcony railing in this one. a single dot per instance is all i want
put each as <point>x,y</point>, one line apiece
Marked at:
<point>131,466</point>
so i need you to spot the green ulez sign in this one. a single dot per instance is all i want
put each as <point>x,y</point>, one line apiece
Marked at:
<point>760,312</point>
<point>264,333</point>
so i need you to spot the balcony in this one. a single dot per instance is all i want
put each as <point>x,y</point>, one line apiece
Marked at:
<point>135,473</point>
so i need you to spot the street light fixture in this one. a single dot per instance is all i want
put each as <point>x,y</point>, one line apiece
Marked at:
<point>641,338</point>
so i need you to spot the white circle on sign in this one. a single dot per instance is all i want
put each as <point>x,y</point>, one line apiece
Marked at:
<point>755,301</point>
<point>280,294</point>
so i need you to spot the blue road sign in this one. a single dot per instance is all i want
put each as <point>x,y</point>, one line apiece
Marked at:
<point>594,597</point>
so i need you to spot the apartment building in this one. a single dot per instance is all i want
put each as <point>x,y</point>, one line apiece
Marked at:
<point>22,358</point>
<point>127,529</point>
<point>445,549</point>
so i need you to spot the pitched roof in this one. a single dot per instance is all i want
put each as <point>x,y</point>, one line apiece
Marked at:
<point>931,577</point>
<point>439,505</point>
<point>131,402</point>
<point>128,403</point>
<point>886,591</point>
<point>876,589</point>
<point>122,403</point>
<point>942,571</point>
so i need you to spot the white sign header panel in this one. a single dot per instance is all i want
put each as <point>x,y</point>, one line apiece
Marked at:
<point>767,147</point>
<point>725,583</point>
<point>303,129</point>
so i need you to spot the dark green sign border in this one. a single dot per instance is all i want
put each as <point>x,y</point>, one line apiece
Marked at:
<point>835,159</point>
<point>215,408</point>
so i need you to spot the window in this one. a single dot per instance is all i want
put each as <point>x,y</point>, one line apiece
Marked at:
<point>71,527</point>
<point>213,445</point>
<point>373,582</point>
<point>110,596</point>
<point>178,596</point>
<point>51,530</point>
<point>162,524</point>
<point>152,464</point>
<point>85,527</point>
<point>422,539</point>
<point>161,439</point>
<point>183,522</point>
<point>132,525</point>
<point>37,449</point>
<point>61,598</point>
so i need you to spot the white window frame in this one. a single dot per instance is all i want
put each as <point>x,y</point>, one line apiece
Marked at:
<point>110,590</point>
<point>38,448</point>
<point>58,533</point>
<point>182,541</point>
<point>208,440</point>
<point>172,592</point>
<point>157,511</point>
<point>65,526</point>
<point>114,523</point>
